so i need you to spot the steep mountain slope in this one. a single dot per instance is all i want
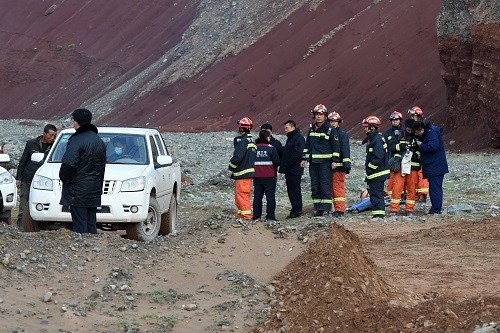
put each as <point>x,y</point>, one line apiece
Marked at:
<point>202,65</point>
<point>469,34</point>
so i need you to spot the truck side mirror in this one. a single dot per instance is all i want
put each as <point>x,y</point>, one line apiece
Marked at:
<point>37,157</point>
<point>164,160</point>
<point>4,158</point>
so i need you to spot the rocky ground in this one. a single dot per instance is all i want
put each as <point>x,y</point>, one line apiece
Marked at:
<point>425,274</point>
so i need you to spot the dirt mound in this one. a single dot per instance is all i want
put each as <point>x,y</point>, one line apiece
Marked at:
<point>334,287</point>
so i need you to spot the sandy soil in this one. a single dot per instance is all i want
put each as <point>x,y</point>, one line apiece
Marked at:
<point>246,278</point>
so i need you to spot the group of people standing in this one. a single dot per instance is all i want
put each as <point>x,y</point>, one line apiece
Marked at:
<point>410,156</point>
<point>325,147</point>
<point>81,173</point>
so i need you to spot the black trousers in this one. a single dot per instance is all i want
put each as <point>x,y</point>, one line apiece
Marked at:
<point>84,219</point>
<point>376,192</point>
<point>321,177</point>
<point>269,189</point>
<point>294,193</point>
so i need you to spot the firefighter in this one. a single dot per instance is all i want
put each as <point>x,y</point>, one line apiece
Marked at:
<point>376,165</point>
<point>416,114</point>
<point>409,181</point>
<point>322,151</point>
<point>242,169</point>
<point>343,167</point>
<point>393,137</point>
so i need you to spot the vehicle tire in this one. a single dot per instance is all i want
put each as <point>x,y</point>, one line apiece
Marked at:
<point>7,218</point>
<point>169,219</point>
<point>147,230</point>
<point>30,225</point>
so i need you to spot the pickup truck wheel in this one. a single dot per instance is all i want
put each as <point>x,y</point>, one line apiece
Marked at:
<point>30,225</point>
<point>169,219</point>
<point>7,218</point>
<point>147,230</point>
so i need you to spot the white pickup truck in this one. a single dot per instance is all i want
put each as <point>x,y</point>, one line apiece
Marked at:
<point>140,193</point>
<point>8,190</point>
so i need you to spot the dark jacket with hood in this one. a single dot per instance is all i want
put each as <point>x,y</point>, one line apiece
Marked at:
<point>376,163</point>
<point>345,153</point>
<point>322,144</point>
<point>393,138</point>
<point>432,153</point>
<point>242,163</point>
<point>266,162</point>
<point>27,168</point>
<point>292,154</point>
<point>82,168</point>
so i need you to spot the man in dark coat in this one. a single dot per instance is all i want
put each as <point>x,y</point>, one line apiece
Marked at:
<point>82,173</point>
<point>27,168</point>
<point>290,166</point>
<point>433,158</point>
<point>274,142</point>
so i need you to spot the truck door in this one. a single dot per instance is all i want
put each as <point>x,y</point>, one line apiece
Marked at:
<point>163,181</point>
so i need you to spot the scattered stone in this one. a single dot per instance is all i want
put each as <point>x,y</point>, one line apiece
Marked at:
<point>47,297</point>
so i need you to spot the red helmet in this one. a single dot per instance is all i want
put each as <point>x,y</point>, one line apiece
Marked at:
<point>371,120</point>
<point>245,123</point>
<point>320,108</point>
<point>334,116</point>
<point>416,110</point>
<point>396,115</point>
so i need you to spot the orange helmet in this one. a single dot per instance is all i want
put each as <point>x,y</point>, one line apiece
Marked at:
<point>396,115</point>
<point>416,110</point>
<point>320,108</point>
<point>245,123</point>
<point>334,116</point>
<point>371,120</point>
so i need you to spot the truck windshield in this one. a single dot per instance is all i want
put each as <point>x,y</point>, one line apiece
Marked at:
<point>120,148</point>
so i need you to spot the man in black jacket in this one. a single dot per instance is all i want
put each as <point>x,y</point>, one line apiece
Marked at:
<point>82,173</point>
<point>274,142</point>
<point>27,168</point>
<point>290,166</point>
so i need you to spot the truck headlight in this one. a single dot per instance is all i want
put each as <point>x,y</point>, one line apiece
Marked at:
<point>42,183</point>
<point>6,178</point>
<point>133,184</point>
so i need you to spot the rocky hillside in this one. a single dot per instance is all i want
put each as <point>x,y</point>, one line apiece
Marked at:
<point>195,65</point>
<point>469,48</point>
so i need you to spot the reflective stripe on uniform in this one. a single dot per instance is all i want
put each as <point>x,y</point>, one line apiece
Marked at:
<point>242,172</point>
<point>378,174</point>
<point>319,135</point>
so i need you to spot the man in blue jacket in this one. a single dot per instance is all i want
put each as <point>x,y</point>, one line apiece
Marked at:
<point>82,173</point>
<point>433,157</point>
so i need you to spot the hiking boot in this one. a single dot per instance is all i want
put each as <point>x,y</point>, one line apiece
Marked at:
<point>423,198</point>
<point>317,214</point>
<point>393,214</point>
<point>410,214</point>
<point>292,216</point>
<point>337,214</point>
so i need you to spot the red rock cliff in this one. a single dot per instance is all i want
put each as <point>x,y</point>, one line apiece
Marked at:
<point>469,49</point>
